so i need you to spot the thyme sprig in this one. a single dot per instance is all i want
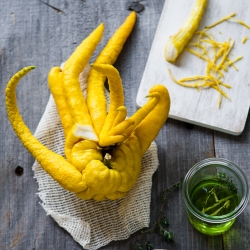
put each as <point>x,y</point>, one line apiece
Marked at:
<point>159,225</point>
<point>227,182</point>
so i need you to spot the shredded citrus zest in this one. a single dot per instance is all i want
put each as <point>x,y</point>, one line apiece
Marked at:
<point>207,81</point>
<point>244,39</point>
<point>221,20</point>
<point>197,54</point>
<point>240,22</point>
<point>230,63</point>
<point>219,100</point>
<point>227,51</point>
<point>217,57</point>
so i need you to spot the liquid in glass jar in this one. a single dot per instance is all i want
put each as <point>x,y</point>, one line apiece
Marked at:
<point>215,192</point>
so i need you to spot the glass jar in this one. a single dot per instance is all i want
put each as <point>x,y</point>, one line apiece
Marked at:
<point>215,192</point>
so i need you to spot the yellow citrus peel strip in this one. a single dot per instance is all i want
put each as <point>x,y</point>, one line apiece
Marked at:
<point>223,19</point>
<point>177,42</point>
<point>240,22</point>
<point>214,70</point>
<point>244,39</point>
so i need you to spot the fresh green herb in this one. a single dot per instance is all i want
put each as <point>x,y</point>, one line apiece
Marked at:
<point>227,181</point>
<point>160,224</point>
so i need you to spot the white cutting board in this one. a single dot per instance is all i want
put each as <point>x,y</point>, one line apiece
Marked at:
<point>187,104</point>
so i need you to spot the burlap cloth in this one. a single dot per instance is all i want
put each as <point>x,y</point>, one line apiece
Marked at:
<point>92,224</point>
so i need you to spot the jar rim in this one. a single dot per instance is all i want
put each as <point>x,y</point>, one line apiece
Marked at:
<point>222,218</point>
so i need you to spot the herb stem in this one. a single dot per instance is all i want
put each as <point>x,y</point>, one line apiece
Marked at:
<point>215,196</point>
<point>160,222</point>
<point>226,204</point>
<point>219,202</point>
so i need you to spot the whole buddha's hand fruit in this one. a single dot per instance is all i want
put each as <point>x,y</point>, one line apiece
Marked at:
<point>103,150</point>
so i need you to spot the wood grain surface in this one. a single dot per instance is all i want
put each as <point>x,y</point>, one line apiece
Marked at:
<point>44,33</point>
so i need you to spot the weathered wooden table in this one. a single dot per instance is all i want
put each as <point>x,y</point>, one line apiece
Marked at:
<point>44,33</point>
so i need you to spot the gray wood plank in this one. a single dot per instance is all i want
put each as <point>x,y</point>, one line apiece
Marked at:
<point>237,150</point>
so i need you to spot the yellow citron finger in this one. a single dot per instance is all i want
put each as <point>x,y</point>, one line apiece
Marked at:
<point>55,165</point>
<point>55,81</point>
<point>77,132</point>
<point>84,152</point>
<point>121,116</point>
<point>115,89</point>
<point>121,128</point>
<point>103,181</point>
<point>96,99</point>
<point>71,71</point>
<point>143,111</point>
<point>112,140</point>
<point>116,97</point>
<point>176,43</point>
<point>150,126</point>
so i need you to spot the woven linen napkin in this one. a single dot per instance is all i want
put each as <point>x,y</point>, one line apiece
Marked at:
<point>91,223</point>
